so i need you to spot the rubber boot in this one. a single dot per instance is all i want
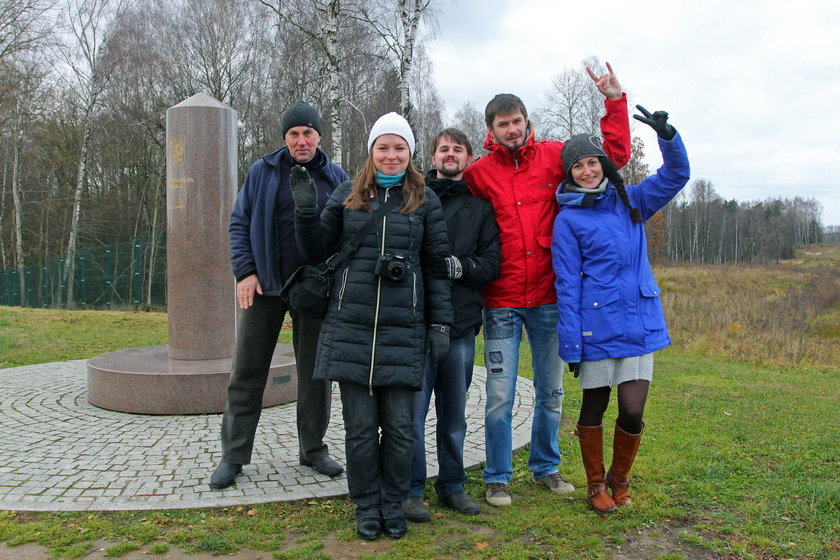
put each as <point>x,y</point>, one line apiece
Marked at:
<point>625,447</point>
<point>592,452</point>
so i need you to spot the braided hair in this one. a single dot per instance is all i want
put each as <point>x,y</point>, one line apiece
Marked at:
<point>611,173</point>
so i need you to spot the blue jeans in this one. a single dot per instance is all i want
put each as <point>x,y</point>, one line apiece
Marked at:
<point>449,381</point>
<point>502,336</point>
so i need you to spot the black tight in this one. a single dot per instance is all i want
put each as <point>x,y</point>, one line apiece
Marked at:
<point>632,396</point>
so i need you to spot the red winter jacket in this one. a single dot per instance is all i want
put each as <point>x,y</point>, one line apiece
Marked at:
<point>521,187</point>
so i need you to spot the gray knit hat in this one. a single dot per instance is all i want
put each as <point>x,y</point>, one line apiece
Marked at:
<point>300,114</point>
<point>580,146</point>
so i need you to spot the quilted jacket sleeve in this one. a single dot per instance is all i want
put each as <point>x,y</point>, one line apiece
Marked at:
<point>318,237</point>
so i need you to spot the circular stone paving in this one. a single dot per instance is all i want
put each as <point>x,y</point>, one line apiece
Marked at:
<point>60,453</point>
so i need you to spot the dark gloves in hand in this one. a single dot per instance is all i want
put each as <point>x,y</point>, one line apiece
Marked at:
<point>657,121</point>
<point>437,343</point>
<point>574,367</point>
<point>445,267</point>
<point>303,190</point>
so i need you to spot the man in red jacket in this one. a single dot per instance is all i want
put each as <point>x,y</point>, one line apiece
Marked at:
<point>519,178</point>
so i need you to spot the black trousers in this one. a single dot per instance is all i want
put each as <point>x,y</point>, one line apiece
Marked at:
<point>259,327</point>
<point>378,465</point>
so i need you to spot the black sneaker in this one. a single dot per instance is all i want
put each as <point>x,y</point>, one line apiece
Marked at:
<point>394,527</point>
<point>462,503</point>
<point>324,465</point>
<point>369,529</point>
<point>224,475</point>
<point>415,510</point>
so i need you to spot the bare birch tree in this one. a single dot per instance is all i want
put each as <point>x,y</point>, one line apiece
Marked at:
<point>470,121</point>
<point>397,23</point>
<point>328,18</point>
<point>90,23</point>
<point>21,25</point>
<point>563,110</point>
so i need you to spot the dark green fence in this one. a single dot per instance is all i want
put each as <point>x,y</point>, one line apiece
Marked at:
<point>118,276</point>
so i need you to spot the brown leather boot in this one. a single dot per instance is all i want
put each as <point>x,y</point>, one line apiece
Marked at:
<point>625,447</point>
<point>592,453</point>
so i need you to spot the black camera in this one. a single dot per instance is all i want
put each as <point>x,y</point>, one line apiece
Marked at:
<point>392,267</point>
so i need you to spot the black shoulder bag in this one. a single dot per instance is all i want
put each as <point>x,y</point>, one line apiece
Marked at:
<point>307,290</point>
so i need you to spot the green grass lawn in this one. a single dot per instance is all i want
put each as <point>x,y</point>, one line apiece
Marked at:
<point>737,461</point>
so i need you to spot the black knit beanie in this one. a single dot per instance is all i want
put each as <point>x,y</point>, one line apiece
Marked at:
<point>580,146</point>
<point>300,114</point>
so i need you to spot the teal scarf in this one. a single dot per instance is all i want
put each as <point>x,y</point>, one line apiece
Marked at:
<point>386,181</point>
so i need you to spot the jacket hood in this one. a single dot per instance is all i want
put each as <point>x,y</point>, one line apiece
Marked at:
<point>445,187</point>
<point>579,198</point>
<point>282,155</point>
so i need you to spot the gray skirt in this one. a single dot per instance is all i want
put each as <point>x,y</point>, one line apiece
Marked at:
<point>614,371</point>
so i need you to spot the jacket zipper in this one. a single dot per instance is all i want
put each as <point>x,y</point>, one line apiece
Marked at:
<point>343,287</point>
<point>378,295</point>
<point>414,293</point>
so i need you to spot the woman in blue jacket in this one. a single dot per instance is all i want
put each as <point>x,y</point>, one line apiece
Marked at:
<point>610,315</point>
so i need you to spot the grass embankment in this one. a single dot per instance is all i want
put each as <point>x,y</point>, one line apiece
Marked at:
<point>739,459</point>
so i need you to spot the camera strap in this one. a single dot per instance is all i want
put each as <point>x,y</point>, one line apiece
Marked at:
<point>336,259</point>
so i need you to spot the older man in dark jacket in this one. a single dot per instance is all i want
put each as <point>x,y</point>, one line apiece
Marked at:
<point>264,254</point>
<point>474,243</point>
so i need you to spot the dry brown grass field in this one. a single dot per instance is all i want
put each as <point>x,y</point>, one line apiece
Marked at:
<point>783,314</point>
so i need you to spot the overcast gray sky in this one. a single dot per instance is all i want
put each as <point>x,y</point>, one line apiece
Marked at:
<point>752,86</point>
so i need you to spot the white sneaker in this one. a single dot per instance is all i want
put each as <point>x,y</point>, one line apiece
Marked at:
<point>497,494</point>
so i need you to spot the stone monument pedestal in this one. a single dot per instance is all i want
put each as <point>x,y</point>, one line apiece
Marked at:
<point>147,381</point>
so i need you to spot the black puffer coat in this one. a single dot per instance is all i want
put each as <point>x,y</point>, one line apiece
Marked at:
<point>374,332</point>
<point>474,239</point>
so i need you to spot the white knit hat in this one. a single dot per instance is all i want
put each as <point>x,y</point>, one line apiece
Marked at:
<point>392,123</point>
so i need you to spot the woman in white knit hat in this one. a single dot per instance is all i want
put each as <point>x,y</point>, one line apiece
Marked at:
<point>387,314</point>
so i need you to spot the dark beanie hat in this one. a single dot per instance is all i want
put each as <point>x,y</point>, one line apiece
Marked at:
<point>300,114</point>
<point>580,146</point>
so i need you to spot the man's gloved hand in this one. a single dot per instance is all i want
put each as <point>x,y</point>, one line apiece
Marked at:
<point>445,267</point>
<point>437,343</point>
<point>574,367</point>
<point>657,121</point>
<point>453,267</point>
<point>303,190</point>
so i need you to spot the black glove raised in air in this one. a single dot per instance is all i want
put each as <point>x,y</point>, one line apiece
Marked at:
<point>303,190</point>
<point>658,121</point>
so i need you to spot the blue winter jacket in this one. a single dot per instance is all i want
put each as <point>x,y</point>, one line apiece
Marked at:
<point>262,223</point>
<point>607,298</point>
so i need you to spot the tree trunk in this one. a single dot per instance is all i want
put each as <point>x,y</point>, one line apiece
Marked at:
<point>16,199</point>
<point>410,17</point>
<point>70,270</point>
<point>331,28</point>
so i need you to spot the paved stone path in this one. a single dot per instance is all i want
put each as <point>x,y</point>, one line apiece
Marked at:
<point>60,453</point>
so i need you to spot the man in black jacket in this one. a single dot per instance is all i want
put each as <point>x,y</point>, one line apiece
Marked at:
<point>474,242</point>
<point>264,254</point>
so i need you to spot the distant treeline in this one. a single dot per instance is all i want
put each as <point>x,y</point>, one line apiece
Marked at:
<point>701,227</point>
